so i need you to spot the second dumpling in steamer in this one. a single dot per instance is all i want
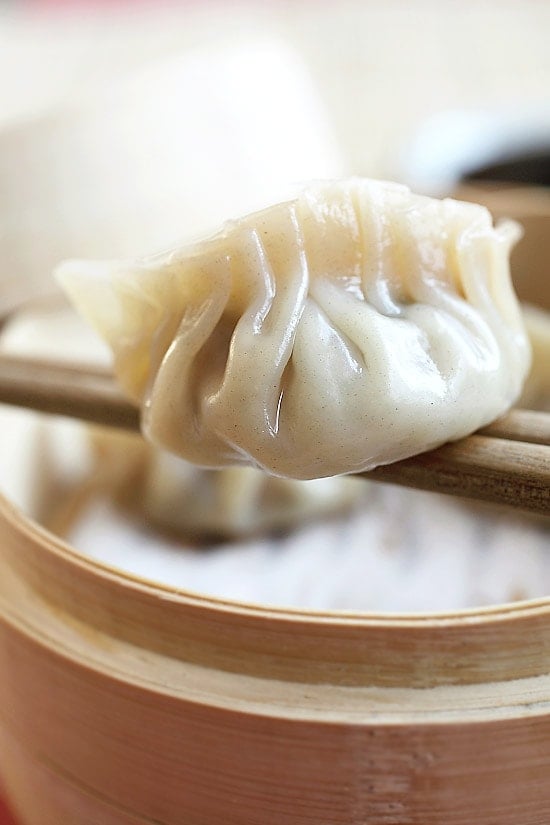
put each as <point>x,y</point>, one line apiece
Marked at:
<point>353,326</point>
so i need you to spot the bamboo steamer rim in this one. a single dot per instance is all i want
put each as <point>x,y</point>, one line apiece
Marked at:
<point>55,544</point>
<point>456,751</point>
<point>242,651</point>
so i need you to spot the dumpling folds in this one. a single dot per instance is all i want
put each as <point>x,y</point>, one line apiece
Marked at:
<point>353,326</point>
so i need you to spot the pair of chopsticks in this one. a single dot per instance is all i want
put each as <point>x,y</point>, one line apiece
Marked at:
<point>506,463</point>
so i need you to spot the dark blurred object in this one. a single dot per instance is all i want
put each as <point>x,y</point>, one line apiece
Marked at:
<point>454,146</point>
<point>532,168</point>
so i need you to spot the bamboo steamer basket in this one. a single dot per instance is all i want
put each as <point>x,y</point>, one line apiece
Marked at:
<point>123,702</point>
<point>127,703</point>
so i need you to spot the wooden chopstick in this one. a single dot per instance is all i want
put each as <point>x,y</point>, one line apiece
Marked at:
<point>493,469</point>
<point>82,392</point>
<point>507,462</point>
<point>521,425</point>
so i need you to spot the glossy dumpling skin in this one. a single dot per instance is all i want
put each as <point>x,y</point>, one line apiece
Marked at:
<point>353,326</point>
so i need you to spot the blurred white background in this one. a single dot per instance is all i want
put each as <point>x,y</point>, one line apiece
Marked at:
<point>382,67</point>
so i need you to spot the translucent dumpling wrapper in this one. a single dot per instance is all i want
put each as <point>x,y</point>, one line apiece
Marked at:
<point>353,326</point>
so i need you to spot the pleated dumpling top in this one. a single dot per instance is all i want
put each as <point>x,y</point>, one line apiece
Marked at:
<point>353,326</point>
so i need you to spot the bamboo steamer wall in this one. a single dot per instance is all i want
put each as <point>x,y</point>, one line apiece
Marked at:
<point>122,702</point>
<point>127,703</point>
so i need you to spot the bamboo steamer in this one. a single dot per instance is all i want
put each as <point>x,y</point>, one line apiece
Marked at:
<point>125,703</point>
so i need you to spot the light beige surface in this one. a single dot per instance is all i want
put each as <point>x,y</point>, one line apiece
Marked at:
<point>383,66</point>
<point>161,155</point>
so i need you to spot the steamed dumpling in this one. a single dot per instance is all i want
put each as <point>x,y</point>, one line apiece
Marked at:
<point>353,326</point>
<point>172,495</point>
